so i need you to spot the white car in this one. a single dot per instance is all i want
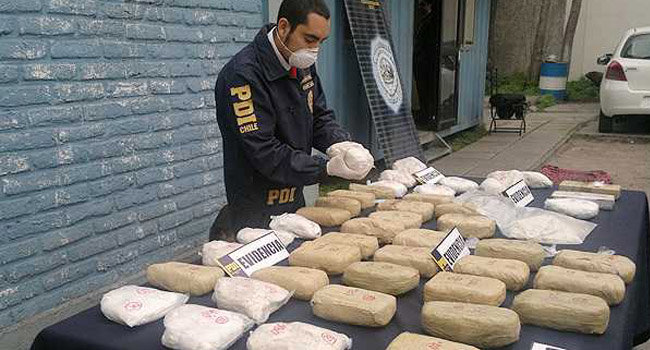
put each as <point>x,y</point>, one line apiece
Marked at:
<point>625,89</point>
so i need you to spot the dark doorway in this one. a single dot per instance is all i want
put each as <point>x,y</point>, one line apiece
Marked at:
<point>435,63</point>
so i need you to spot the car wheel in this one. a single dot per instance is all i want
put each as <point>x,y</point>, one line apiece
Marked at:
<point>605,123</point>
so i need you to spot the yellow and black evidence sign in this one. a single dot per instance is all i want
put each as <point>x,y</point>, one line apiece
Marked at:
<point>451,249</point>
<point>263,252</point>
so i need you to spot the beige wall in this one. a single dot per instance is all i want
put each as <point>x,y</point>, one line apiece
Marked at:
<point>600,27</point>
<point>513,27</point>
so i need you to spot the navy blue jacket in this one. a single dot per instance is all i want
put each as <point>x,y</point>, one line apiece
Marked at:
<point>269,120</point>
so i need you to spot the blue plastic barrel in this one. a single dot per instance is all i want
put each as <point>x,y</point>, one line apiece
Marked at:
<point>552,79</point>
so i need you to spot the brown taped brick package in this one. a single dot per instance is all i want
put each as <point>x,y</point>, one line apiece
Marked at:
<point>614,264</point>
<point>563,311</point>
<point>379,191</point>
<point>413,341</point>
<point>429,198</point>
<point>350,204</point>
<point>422,208</point>
<point>419,237</point>
<point>384,230</point>
<point>448,286</point>
<point>327,217</point>
<point>455,208</point>
<point>353,306</point>
<point>607,286</point>
<point>331,258</point>
<point>184,278</point>
<point>381,277</point>
<point>367,244</point>
<point>468,225</point>
<point>408,219</point>
<point>303,281</point>
<point>416,257</point>
<point>483,326</point>
<point>367,199</point>
<point>513,273</point>
<point>529,252</point>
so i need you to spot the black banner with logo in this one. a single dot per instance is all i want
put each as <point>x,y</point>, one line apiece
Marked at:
<point>390,110</point>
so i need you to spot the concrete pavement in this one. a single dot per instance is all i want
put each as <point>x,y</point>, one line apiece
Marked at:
<point>546,132</point>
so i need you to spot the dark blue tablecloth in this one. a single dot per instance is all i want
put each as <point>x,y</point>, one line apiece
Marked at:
<point>625,230</point>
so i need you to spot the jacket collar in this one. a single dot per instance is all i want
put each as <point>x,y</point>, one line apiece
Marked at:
<point>266,56</point>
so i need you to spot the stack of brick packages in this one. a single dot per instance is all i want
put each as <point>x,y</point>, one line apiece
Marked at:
<point>110,155</point>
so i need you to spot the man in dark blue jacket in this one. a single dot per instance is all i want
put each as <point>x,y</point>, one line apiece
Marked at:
<point>271,111</point>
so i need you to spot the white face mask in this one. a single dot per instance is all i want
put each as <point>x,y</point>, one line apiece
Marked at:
<point>303,58</point>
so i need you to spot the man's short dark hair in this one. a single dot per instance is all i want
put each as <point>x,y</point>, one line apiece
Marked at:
<point>296,11</point>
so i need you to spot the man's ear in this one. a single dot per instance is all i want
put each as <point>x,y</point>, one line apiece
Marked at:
<point>284,28</point>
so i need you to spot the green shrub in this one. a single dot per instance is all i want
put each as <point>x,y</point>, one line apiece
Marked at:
<point>582,90</point>
<point>545,101</point>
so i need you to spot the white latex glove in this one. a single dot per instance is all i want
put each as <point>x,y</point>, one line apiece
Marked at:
<point>349,160</point>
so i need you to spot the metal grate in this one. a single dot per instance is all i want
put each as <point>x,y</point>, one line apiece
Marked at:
<point>390,110</point>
